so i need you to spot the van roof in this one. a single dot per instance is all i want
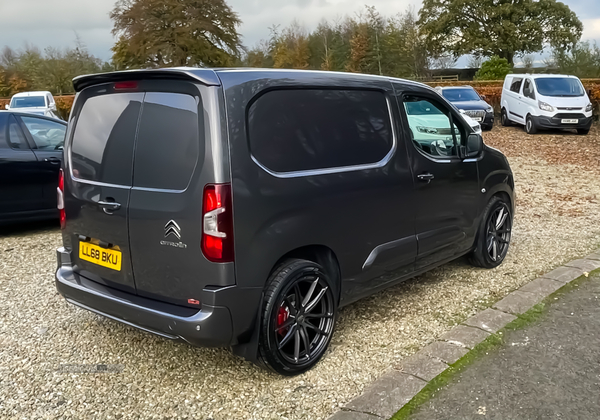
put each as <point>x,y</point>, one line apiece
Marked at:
<point>541,76</point>
<point>36,93</point>
<point>208,76</point>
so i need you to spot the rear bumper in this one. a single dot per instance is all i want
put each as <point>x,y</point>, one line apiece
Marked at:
<point>211,326</point>
<point>555,122</point>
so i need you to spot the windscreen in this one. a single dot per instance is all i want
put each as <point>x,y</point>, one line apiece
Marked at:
<point>460,95</point>
<point>559,86</point>
<point>28,102</point>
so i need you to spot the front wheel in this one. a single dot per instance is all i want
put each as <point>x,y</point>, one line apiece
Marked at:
<point>493,237</point>
<point>583,131</point>
<point>530,127</point>
<point>298,317</point>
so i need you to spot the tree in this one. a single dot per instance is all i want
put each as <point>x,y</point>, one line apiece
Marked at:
<point>497,27</point>
<point>290,48</point>
<point>582,61</point>
<point>175,33</point>
<point>495,68</point>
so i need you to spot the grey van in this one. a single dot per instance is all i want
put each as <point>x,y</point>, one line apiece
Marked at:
<point>242,208</point>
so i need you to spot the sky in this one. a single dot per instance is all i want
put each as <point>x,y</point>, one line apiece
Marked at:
<point>55,22</point>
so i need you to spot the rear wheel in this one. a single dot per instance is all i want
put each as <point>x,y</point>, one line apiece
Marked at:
<point>493,238</point>
<point>530,127</point>
<point>583,131</point>
<point>504,118</point>
<point>298,317</point>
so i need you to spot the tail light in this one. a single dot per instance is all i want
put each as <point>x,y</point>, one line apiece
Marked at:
<point>125,85</point>
<point>217,223</point>
<point>60,198</point>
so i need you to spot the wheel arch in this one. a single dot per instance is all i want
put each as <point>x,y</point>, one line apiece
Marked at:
<point>322,255</point>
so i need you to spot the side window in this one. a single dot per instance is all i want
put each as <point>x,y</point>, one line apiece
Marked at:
<point>102,145</point>
<point>516,85</point>
<point>169,141</point>
<point>528,89</point>
<point>431,128</point>
<point>16,138</point>
<point>312,129</point>
<point>47,135</point>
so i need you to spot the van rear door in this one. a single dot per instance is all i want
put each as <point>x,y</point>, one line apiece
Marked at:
<point>172,164</point>
<point>98,184</point>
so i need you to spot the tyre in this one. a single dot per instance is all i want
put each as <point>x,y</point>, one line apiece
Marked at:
<point>530,127</point>
<point>583,131</point>
<point>493,236</point>
<point>298,317</point>
<point>504,118</point>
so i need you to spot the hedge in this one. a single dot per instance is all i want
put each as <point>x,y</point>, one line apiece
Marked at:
<point>491,89</point>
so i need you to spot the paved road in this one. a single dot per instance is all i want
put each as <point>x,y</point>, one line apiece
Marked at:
<point>549,370</point>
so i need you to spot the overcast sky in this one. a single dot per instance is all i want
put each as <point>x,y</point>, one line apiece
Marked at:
<point>55,22</point>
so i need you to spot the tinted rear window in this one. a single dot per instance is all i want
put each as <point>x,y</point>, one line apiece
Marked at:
<point>102,147</point>
<point>296,130</point>
<point>168,141</point>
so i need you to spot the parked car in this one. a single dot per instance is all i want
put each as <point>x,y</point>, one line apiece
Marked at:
<point>542,101</point>
<point>244,207</point>
<point>469,102</point>
<point>39,103</point>
<point>30,159</point>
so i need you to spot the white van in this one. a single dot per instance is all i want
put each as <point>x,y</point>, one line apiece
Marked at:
<point>39,103</point>
<point>540,101</point>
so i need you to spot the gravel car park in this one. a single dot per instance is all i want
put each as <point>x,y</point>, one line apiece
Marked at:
<point>57,360</point>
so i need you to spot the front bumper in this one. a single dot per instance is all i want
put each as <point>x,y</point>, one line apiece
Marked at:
<point>556,121</point>
<point>211,326</point>
<point>488,121</point>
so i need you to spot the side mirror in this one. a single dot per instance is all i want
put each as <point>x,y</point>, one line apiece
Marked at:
<point>53,107</point>
<point>474,146</point>
<point>483,97</point>
<point>589,93</point>
<point>7,106</point>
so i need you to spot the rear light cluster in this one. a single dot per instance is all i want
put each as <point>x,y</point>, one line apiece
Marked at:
<point>217,223</point>
<point>60,198</point>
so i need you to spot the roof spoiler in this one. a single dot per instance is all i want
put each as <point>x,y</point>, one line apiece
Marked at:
<point>205,76</point>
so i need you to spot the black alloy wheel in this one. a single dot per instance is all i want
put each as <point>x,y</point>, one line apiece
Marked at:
<point>298,317</point>
<point>493,237</point>
<point>498,233</point>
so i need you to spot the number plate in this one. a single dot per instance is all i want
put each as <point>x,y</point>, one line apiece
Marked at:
<point>478,119</point>
<point>569,121</point>
<point>109,258</point>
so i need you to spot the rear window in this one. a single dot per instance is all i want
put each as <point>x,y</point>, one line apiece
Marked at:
<point>311,129</point>
<point>168,141</point>
<point>102,146</point>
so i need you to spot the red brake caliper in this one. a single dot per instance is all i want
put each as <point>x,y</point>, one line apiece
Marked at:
<point>282,316</point>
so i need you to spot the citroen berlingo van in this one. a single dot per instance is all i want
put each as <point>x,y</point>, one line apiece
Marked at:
<point>242,208</point>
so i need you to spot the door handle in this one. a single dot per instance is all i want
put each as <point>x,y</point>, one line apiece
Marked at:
<point>109,206</point>
<point>427,177</point>
<point>53,160</point>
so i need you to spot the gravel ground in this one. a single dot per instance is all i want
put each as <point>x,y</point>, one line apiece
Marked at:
<point>557,220</point>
